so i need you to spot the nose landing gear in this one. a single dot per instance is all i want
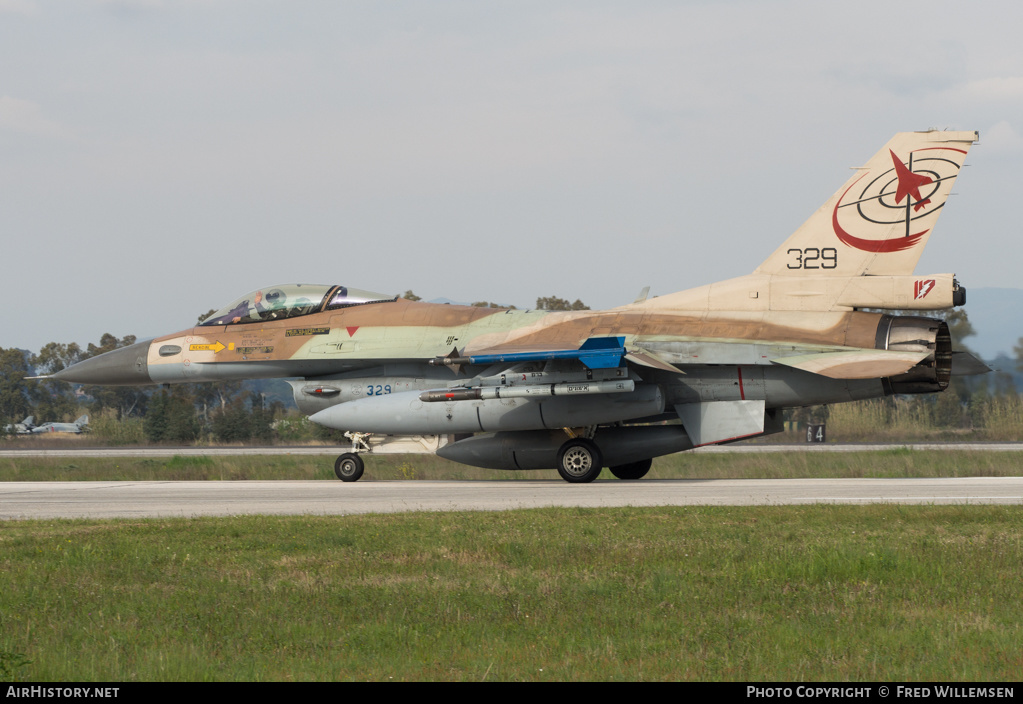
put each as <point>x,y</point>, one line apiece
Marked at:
<point>349,467</point>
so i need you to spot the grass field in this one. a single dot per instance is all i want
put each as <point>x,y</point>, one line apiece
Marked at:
<point>813,593</point>
<point>897,462</point>
<point>890,593</point>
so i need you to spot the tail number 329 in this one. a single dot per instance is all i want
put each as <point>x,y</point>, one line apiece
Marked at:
<point>813,258</point>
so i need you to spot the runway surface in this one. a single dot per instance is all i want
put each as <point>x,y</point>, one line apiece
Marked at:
<point>46,500</point>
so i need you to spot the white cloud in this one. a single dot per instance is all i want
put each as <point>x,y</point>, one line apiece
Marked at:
<point>528,126</point>
<point>997,88</point>
<point>17,7</point>
<point>131,4</point>
<point>26,117</point>
<point>1002,138</point>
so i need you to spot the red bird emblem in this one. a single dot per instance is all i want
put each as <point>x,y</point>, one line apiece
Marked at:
<point>909,183</point>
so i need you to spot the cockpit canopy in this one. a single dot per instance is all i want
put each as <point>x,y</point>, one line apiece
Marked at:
<point>291,301</point>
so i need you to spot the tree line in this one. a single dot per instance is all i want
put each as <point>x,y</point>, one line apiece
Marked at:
<point>183,413</point>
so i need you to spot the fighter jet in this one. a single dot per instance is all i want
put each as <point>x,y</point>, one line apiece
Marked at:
<point>77,427</point>
<point>581,390</point>
<point>23,428</point>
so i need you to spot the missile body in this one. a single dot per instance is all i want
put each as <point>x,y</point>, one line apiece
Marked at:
<point>532,391</point>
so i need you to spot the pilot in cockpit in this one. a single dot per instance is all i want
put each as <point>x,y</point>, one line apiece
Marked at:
<point>292,301</point>
<point>274,308</point>
<point>244,310</point>
<point>238,312</point>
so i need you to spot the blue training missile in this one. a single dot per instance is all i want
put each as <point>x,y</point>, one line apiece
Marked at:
<point>595,353</point>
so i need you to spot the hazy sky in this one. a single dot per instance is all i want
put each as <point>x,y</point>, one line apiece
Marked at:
<point>161,158</point>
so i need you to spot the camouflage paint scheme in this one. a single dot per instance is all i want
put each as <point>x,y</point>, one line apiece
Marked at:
<point>718,362</point>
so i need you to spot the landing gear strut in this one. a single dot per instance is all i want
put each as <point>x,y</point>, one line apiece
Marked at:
<point>349,466</point>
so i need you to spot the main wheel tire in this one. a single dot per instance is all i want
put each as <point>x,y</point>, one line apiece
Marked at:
<point>632,470</point>
<point>349,467</point>
<point>579,461</point>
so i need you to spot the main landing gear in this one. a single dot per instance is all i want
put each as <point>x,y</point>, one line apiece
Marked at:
<point>580,462</point>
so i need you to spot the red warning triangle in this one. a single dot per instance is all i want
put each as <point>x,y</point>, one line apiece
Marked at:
<point>351,331</point>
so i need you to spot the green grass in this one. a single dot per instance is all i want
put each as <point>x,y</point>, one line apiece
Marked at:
<point>821,593</point>
<point>890,463</point>
<point>899,462</point>
<point>826,593</point>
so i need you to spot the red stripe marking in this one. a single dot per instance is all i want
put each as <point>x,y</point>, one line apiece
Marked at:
<point>742,391</point>
<point>931,149</point>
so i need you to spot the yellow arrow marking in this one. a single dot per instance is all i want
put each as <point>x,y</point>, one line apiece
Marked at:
<point>216,347</point>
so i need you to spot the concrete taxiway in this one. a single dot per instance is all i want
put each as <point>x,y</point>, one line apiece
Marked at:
<point>47,500</point>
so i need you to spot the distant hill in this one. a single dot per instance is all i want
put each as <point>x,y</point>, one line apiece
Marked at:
<point>997,316</point>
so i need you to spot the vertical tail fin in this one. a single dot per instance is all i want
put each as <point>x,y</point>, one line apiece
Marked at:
<point>879,222</point>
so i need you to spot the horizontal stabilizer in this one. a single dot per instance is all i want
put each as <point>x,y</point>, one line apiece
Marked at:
<point>855,364</point>
<point>965,364</point>
<point>720,421</point>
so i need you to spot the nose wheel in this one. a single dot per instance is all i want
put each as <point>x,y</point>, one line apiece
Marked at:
<point>349,467</point>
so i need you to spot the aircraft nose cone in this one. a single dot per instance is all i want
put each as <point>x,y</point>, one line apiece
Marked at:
<point>127,366</point>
